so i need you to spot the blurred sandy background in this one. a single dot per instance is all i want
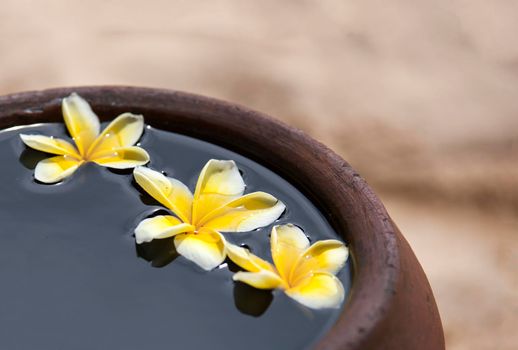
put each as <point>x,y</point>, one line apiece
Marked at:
<point>420,96</point>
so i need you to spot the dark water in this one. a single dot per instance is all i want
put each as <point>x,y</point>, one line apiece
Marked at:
<point>73,278</point>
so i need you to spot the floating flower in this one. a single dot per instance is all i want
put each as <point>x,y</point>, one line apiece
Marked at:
<point>218,205</point>
<point>306,273</point>
<point>113,148</point>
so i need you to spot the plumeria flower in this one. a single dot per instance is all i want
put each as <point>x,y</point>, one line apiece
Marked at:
<point>218,205</point>
<point>305,273</point>
<point>113,148</point>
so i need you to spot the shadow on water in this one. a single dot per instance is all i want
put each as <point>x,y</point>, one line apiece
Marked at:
<point>30,158</point>
<point>159,252</point>
<point>251,301</point>
<point>248,300</point>
<point>121,171</point>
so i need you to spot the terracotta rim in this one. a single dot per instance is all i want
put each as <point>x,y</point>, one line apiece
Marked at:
<point>391,305</point>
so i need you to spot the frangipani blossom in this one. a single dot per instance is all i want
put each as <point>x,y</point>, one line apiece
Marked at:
<point>305,273</point>
<point>113,148</point>
<point>218,205</point>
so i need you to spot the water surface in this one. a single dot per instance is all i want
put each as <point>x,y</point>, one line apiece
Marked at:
<point>73,278</point>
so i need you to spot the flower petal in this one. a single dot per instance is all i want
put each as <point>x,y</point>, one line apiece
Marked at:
<point>122,158</point>
<point>219,183</point>
<point>288,242</point>
<point>246,260</point>
<point>168,191</point>
<point>206,248</point>
<point>49,145</point>
<point>246,213</point>
<point>55,169</point>
<point>263,279</point>
<point>162,226</point>
<point>123,131</point>
<point>323,256</point>
<point>320,290</point>
<point>82,123</point>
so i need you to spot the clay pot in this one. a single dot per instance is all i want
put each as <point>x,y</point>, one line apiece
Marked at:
<point>391,305</point>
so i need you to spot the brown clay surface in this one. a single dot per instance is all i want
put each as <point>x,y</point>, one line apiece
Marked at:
<point>419,96</point>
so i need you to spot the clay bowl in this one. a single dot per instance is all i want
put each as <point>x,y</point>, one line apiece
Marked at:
<point>391,305</point>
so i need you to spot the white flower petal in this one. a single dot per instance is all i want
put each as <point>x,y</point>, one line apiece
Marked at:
<point>82,123</point>
<point>158,227</point>
<point>122,158</point>
<point>206,248</point>
<point>123,131</point>
<point>246,260</point>
<point>246,213</point>
<point>324,256</point>
<point>318,291</point>
<point>263,279</point>
<point>288,242</point>
<point>55,169</point>
<point>168,191</point>
<point>49,145</point>
<point>219,183</point>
